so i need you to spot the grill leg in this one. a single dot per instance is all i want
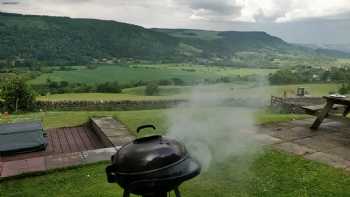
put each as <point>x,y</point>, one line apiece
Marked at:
<point>126,194</point>
<point>160,194</point>
<point>177,192</point>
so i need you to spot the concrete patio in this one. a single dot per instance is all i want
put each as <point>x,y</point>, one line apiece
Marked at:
<point>330,144</point>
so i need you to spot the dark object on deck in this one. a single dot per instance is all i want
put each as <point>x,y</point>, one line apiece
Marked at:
<point>21,137</point>
<point>152,166</point>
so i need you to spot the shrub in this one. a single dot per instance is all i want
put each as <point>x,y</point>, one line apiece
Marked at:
<point>165,82</point>
<point>178,82</point>
<point>17,96</point>
<point>344,89</point>
<point>152,89</point>
<point>91,67</point>
<point>109,87</point>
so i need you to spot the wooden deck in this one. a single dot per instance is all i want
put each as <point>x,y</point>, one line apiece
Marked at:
<point>64,140</point>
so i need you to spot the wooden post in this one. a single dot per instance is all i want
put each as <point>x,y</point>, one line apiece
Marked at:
<point>17,100</point>
<point>321,116</point>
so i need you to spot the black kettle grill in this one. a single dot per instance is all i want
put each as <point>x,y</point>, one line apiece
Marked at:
<point>152,166</point>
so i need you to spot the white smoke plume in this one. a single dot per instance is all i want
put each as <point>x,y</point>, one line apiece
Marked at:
<point>211,131</point>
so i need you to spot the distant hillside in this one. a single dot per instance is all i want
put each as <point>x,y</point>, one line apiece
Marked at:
<point>65,41</point>
<point>341,49</point>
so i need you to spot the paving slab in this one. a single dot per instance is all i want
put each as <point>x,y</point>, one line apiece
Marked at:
<point>13,168</point>
<point>62,161</point>
<point>121,140</point>
<point>1,164</point>
<point>304,123</point>
<point>36,164</point>
<point>341,151</point>
<point>330,144</point>
<point>266,129</point>
<point>329,159</point>
<point>111,151</point>
<point>294,148</point>
<point>288,134</point>
<point>267,139</point>
<point>334,124</point>
<point>94,156</point>
<point>323,142</point>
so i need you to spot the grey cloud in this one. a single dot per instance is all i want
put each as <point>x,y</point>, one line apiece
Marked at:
<point>209,9</point>
<point>225,7</point>
<point>9,2</point>
<point>281,9</point>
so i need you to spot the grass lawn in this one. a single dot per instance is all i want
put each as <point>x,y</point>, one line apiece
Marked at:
<point>269,173</point>
<point>127,74</point>
<point>132,119</point>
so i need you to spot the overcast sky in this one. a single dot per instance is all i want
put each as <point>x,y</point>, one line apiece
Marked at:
<point>300,21</point>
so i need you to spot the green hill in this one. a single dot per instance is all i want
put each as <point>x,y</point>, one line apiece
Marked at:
<point>61,40</point>
<point>27,40</point>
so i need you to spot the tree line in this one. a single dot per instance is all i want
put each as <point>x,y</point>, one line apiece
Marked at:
<point>309,74</point>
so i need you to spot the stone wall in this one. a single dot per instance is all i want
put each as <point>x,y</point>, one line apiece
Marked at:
<point>134,105</point>
<point>104,105</point>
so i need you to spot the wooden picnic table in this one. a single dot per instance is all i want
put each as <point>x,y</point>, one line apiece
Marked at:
<point>325,111</point>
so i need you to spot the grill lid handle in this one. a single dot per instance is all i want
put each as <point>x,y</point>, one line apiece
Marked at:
<point>145,126</point>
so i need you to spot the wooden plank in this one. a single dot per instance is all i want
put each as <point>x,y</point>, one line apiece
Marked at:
<point>87,144</point>
<point>95,141</point>
<point>314,107</point>
<point>63,141</point>
<point>70,138</point>
<point>324,112</point>
<point>312,110</point>
<point>91,137</point>
<point>49,148</point>
<point>337,100</point>
<point>56,142</point>
<point>60,140</point>
<point>78,141</point>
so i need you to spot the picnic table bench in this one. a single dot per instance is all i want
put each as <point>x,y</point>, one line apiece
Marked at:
<point>324,111</point>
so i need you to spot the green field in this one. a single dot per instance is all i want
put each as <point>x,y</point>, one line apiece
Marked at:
<point>183,92</point>
<point>267,173</point>
<point>133,73</point>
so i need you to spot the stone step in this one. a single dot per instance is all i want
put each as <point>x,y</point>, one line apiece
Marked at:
<point>111,131</point>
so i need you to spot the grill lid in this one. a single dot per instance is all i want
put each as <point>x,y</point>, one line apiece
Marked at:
<point>148,154</point>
